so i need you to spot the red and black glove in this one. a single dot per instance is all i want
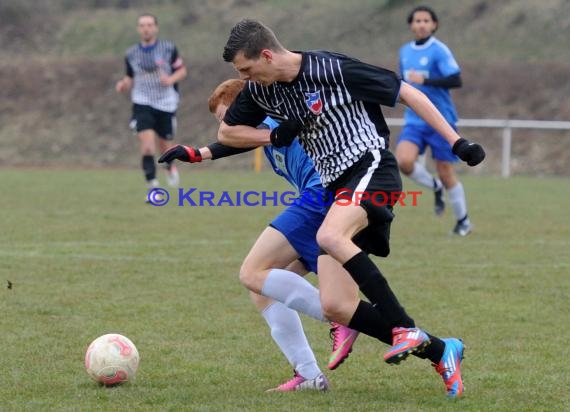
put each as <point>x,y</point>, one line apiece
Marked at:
<point>182,153</point>
<point>471,153</point>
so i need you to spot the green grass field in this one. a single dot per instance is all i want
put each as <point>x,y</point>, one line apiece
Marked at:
<point>86,257</point>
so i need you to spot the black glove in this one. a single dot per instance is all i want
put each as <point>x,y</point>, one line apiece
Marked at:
<point>182,153</point>
<point>285,133</point>
<point>472,153</point>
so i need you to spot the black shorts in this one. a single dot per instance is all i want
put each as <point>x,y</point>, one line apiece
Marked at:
<point>149,118</point>
<point>377,175</point>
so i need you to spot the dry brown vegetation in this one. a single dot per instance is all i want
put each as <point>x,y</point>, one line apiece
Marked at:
<point>60,108</point>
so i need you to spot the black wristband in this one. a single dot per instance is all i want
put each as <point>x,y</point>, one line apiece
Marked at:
<point>448,82</point>
<point>220,150</point>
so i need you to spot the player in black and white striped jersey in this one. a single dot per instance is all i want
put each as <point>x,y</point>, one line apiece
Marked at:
<point>153,69</point>
<point>332,102</point>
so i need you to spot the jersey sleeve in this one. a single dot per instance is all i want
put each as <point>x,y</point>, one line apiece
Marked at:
<point>446,62</point>
<point>128,68</point>
<point>371,83</point>
<point>244,110</point>
<point>176,61</point>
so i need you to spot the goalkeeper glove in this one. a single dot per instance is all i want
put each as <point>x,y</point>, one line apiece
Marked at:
<point>472,153</point>
<point>182,153</point>
<point>285,133</point>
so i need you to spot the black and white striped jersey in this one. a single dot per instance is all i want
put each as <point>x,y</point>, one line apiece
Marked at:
<point>337,97</point>
<point>144,64</point>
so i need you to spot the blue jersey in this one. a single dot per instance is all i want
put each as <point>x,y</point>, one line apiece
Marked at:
<point>433,60</point>
<point>297,168</point>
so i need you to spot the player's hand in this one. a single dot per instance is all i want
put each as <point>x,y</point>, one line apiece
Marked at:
<point>165,79</point>
<point>415,77</point>
<point>182,153</point>
<point>284,134</point>
<point>120,87</point>
<point>471,153</point>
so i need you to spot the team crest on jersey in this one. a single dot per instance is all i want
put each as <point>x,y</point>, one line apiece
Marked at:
<point>314,102</point>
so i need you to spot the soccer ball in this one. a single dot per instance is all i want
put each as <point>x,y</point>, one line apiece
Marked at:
<point>112,359</point>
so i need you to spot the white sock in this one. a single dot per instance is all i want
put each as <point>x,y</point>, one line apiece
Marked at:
<point>294,292</point>
<point>287,332</point>
<point>421,176</point>
<point>457,199</point>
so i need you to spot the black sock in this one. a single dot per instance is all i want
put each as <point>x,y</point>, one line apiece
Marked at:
<point>368,320</point>
<point>433,351</point>
<point>375,287</point>
<point>149,168</point>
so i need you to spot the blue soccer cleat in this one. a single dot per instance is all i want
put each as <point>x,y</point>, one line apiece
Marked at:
<point>449,367</point>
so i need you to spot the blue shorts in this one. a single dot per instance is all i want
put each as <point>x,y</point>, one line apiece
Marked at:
<point>423,136</point>
<point>300,225</point>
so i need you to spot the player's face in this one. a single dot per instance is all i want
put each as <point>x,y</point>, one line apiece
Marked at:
<point>258,70</point>
<point>422,25</point>
<point>147,28</point>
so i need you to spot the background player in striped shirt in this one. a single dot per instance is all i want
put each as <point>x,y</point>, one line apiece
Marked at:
<point>332,102</point>
<point>429,65</point>
<point>153,69</point>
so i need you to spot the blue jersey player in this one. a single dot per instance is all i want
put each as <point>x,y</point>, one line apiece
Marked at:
<point>287,245</point>
<point>428,64</point>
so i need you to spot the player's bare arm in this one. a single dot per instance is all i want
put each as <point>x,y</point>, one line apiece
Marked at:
<point>242,136</point>
<point>415,77</point>
<point>472,153</point>
<point>419,103</point>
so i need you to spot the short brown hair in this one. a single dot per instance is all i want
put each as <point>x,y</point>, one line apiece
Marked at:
<point>148,15</point>
<point>225,93</point>
<point>250,37</point>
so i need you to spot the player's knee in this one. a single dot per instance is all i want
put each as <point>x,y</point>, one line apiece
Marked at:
<point>247,276</point>
<point>329,239</point>
<point>406,164</point>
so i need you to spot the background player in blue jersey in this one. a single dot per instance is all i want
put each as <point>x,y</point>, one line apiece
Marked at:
<point>289,242</point>
<point>429,65</point>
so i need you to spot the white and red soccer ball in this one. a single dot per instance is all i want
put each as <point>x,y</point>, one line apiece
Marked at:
<point>112,359</point>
